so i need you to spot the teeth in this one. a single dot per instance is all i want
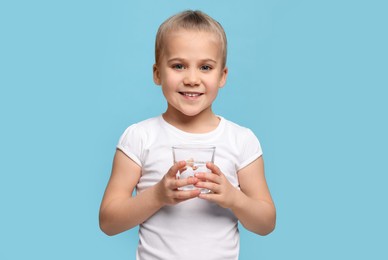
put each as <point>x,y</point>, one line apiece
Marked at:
<point>191,94</point>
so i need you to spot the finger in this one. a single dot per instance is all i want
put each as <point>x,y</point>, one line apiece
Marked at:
<point>186,194</point>
<point>215,188</point>
<point>208,177</point>
<point>183,182</point>
<point>213,168</point>
<point>175,168</point>
<point>208,196</point>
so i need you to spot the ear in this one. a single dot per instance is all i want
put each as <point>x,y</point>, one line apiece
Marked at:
<point>156,74</point>
<point>224,75</point>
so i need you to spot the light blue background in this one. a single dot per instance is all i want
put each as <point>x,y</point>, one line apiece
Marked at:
<point>308,77</point>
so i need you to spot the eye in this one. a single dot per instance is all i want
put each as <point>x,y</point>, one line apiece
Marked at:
<point>178,66</point>
<point>205,68</point>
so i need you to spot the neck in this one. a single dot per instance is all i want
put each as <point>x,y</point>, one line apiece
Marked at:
<point>200,123</point>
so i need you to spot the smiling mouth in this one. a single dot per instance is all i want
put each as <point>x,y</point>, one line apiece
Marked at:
<point>190,94</point>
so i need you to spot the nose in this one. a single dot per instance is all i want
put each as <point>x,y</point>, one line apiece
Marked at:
<point>192,78</point>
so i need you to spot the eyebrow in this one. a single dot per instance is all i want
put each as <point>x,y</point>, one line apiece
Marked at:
<point>181,59</point>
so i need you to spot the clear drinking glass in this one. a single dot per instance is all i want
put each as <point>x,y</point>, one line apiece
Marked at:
<point>196,157</point>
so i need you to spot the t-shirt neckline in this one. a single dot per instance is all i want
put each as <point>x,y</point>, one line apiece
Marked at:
<point>193,136</point>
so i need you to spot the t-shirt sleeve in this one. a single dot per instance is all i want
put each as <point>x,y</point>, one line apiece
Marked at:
<point>250,149</point>
<point>130,143</point>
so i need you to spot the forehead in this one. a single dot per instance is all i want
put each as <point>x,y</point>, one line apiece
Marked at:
<point>195,41</point>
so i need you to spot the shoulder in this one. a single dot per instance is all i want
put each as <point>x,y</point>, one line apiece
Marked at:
<point>241,137</point>
<point>244,142</point>
<point>144,126</point>
<point>237,130</point>
<point>136,138</point>
<point>140,131</point>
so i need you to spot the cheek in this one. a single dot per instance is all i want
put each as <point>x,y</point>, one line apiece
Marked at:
<point>215,83</point>
<point>169,84</point>
<point>171,79</point>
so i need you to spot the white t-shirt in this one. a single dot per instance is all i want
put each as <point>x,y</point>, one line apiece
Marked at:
<point>193,229</point>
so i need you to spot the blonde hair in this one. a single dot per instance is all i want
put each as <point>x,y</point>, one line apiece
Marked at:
<point>190,20</point>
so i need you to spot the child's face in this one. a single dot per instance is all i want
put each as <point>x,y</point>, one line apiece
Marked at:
<point>190,72</point>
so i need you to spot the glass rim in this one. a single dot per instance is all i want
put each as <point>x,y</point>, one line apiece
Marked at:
<point>194,146</point>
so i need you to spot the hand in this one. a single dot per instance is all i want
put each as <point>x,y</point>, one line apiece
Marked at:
<point>167,187</point>
<point>222,191</point>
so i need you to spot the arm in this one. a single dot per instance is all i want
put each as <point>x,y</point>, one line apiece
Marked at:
<point>252,205</point>
<point>121,211</point>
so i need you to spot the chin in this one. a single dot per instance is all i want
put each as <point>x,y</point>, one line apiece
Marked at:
<point>189,111</point>
<point>190,114</point>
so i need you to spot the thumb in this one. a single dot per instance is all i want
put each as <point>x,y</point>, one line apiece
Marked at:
<point>175,168</point>
<point>213,168</point>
